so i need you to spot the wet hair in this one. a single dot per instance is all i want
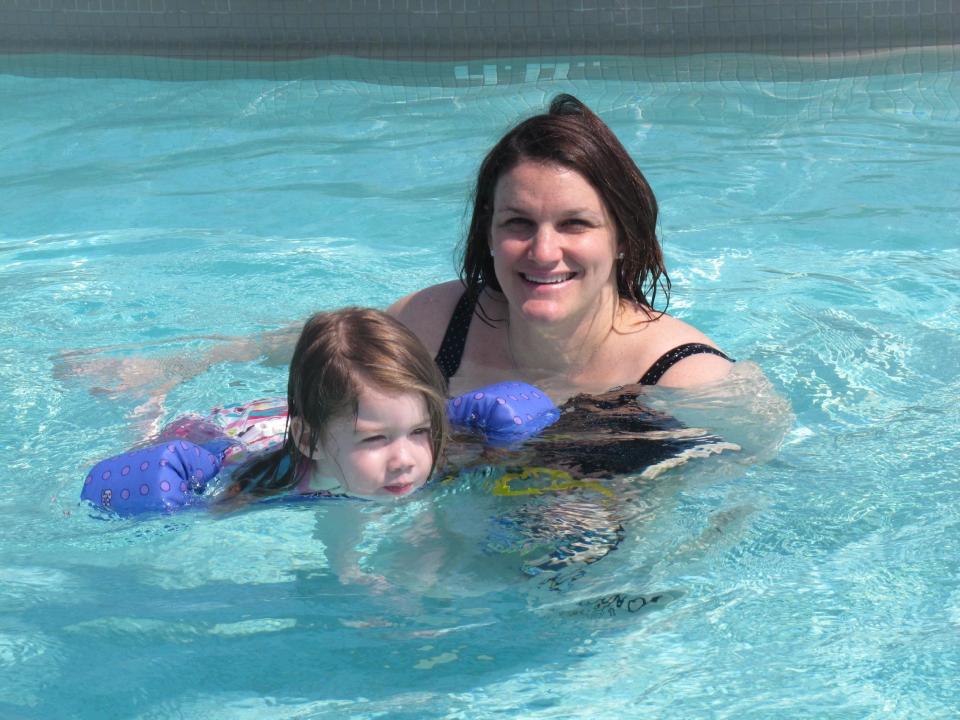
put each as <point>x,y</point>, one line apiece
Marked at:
<point>339,354</point>
<point>572,136</point>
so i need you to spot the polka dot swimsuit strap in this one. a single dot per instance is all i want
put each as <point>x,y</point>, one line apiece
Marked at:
<point>672,357</point>
<point>455,339</point>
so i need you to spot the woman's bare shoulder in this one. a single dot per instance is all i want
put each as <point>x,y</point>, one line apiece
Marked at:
<point>426,312</point>
<point>659,334</point>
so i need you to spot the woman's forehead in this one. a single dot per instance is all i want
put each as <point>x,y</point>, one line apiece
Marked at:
<point>538,181</point>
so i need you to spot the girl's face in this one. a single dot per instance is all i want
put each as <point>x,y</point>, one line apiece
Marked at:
<point>554,244</point>
<point>385,452</point>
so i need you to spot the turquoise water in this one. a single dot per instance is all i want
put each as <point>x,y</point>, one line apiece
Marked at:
<point>811,228</point>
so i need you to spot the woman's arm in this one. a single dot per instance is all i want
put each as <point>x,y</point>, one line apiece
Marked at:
<point>124,374</point>
<point>150,379</point>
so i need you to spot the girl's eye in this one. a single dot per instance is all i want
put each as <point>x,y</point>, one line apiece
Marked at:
<point>370,439</point>
<point>422,431</point>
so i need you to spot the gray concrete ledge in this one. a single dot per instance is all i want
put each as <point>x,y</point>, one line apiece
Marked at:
<point>472,29</point>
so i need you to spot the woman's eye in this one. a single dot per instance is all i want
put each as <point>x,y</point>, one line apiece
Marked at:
<point>516,222</point>
<point>577,223</point>
<point>370,439</point>
<point>422,431</point>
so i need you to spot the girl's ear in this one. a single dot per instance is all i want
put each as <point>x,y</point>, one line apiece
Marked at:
<point>301,438</point>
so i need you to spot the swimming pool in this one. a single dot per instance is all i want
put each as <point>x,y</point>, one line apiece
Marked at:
<point>809,226</point>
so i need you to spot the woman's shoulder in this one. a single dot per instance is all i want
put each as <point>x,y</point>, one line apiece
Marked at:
<point>659,335</point>
<point>426,312</point>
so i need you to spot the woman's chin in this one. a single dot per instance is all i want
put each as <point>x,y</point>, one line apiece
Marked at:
<point>542,312</point>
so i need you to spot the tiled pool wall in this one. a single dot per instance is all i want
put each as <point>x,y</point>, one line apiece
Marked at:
<point>814,37</point>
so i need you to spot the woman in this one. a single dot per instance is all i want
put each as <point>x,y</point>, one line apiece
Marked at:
<point>560,272</point>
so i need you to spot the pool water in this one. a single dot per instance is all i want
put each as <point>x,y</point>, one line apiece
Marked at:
<point>809,228</point>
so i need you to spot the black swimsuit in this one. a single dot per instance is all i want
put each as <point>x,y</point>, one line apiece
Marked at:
<point>455,340</point>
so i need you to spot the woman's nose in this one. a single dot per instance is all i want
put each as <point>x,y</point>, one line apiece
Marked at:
<point>545,245</point>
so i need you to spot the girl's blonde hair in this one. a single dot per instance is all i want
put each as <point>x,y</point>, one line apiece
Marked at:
<point>338,354</point>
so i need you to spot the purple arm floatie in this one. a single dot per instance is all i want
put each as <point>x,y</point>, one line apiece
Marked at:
<point>504,412</point>
<point>160,478</point>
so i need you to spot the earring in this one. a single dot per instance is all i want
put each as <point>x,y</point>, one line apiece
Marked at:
<point>619,256</point>
<point>492,253</point>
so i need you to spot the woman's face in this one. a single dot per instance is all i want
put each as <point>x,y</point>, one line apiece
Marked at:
<point>554,244</point>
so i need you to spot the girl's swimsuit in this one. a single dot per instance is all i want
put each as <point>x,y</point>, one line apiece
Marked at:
<point>455,340</point>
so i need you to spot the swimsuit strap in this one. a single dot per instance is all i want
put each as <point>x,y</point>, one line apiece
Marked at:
<point>672,357</point>
<point>455,340</point>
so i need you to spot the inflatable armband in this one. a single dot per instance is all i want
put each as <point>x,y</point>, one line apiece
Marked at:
<point>504,413</point>
<point>155,479</point>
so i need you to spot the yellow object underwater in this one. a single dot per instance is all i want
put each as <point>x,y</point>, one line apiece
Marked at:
<point>531,479</point>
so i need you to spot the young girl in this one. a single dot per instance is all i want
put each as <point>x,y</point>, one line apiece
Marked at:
<point>365,417</point>
<point>365,407</point>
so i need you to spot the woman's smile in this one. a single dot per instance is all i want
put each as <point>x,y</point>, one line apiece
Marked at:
<point>542,279</point>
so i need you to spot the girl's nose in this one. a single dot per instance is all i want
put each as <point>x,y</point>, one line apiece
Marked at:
<point>401,459</point>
